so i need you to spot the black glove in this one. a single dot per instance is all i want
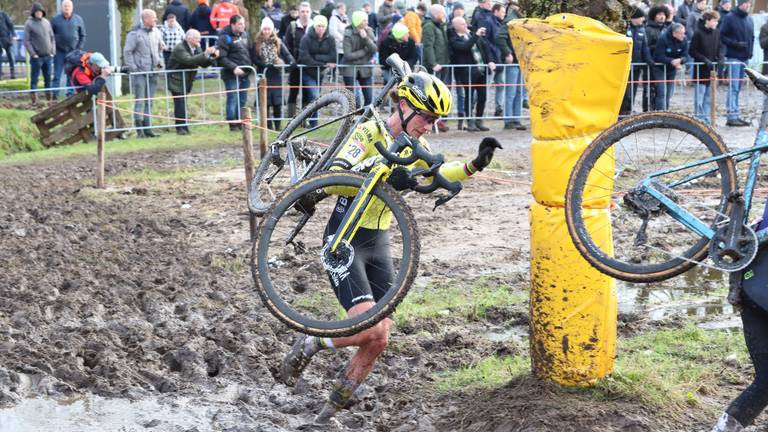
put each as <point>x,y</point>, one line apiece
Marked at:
<point>400,179</point>
<point>485,152</point>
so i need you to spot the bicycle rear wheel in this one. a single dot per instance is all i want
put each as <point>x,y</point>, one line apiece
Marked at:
<point>298,279</point>
<point>609,173</point>
<point>290,158</point>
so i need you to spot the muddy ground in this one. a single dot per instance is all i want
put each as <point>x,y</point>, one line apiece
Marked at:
<point>139,299</point>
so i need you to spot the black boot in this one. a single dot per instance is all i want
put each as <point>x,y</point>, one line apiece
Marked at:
<point>479,125</point>
<point>148,132</point>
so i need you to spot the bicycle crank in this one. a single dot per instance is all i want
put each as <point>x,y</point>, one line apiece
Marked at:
<point>734,255</point>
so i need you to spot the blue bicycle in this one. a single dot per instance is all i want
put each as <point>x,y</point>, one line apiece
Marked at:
<point>672,189</point>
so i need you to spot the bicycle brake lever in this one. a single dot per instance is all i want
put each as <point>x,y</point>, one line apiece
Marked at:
<point>444,199</point>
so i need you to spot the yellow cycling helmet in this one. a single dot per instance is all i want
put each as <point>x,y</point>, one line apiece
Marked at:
<point>425,92</point>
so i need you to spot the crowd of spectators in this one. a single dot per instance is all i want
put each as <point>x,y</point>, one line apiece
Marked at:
<point>705,42</point>
<point>470,53</point>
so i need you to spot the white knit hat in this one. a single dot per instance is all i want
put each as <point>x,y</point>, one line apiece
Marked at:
<point>267,23</point>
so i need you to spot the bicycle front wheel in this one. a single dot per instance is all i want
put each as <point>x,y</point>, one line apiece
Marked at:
<point>648,241</point>
<point>304,284</point>
<point>290,158</point>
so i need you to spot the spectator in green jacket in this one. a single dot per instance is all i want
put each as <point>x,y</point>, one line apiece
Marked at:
<point>436,53</point>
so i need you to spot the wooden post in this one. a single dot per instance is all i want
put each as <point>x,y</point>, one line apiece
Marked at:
<point>263,117</point>
<point>712,95</point>
<point>249,171</point>
<point>101,126</point>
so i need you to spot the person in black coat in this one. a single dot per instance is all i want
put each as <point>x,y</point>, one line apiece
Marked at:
<point>642,62</point>
<point>468,48</point>
<point>268,54</point>
<point>705,50</point>
<point>317,51</point>
<point>233,53</point>
<point>657,23</point>
<point>669,55</point>
<point>181,12</point>
<point>200,20</point>
<point>292,38</point>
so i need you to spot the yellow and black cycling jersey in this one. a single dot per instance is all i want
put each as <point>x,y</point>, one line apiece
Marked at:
<point>360,154</point>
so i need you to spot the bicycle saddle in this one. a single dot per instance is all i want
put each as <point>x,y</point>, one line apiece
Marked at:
<point>759,80</point>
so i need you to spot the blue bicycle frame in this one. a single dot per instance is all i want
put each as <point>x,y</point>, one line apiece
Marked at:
<point>752,154</point>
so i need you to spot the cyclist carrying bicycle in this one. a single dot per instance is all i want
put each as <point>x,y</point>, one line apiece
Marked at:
<point>420,100</point>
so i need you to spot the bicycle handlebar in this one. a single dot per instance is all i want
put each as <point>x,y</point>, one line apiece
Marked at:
<point>419,152</point>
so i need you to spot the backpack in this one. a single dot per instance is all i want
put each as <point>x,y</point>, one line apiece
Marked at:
<point>74,59</point>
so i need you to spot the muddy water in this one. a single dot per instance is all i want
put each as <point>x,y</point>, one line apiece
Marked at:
<point>699,293</point>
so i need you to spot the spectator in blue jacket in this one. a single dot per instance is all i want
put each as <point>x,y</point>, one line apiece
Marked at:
<point>200,20</point>
<point>69,31</point>
<point>642,62</point>
<point>737,34</point>
<point>669,55</point>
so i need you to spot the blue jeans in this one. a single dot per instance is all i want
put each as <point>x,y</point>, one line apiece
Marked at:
<point>702,102</point>
<point>312,79</point>
<point>513,94</point>
<point>365,88</point>
<point>665,75</point>
<point>143,87</point>
<point>44,65</point>
<point>236,100</point>
<point>735,74</point>
<point>58,71</point>
<point>498,78</point>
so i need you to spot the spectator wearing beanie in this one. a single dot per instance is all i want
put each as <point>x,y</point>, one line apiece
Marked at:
<point>397,42</point>
<point>642,62</point>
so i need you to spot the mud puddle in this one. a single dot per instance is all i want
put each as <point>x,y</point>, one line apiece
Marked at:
<point>699,293</point>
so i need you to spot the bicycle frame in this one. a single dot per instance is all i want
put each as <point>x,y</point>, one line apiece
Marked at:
<point>352,219</point>
<point>753,154</point>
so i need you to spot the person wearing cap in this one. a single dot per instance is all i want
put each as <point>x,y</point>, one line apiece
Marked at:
<point>642,62</point>
<point>267,52</point>
<point>737,34</point>
<point>397,42</point>
<point>69,30</point>
<point>359,47</point>
<point>40,44</point>
<point>187,55</point>
<point>91,74</point>
<point>317,51</point>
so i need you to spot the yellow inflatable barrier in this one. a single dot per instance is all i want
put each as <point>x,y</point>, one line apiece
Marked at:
<point>576,70</point>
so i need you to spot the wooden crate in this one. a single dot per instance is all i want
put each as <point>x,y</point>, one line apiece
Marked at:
<point>71,120</point>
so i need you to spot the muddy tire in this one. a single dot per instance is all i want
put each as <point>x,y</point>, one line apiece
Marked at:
<point>629,149</point>
<point>277,172</point>
<point>294,282</point>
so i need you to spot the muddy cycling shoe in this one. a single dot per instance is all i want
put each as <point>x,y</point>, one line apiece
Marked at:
<point>295,362</point>
<point>726,423</point>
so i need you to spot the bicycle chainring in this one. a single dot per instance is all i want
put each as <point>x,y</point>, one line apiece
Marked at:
<point>735,258</point>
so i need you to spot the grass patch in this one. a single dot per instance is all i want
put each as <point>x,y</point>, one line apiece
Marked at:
<point>200,138</point>
<point>669,369</point>
<point>491,371</point>
<point>458,300</point>
<point>18,84</point>
<point>17,132</point>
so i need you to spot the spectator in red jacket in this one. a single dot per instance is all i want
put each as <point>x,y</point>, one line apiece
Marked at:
<point>221,13</point>
<point>92,74</point>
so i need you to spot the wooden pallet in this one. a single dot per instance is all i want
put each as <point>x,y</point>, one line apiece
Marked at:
<point>71,120</point>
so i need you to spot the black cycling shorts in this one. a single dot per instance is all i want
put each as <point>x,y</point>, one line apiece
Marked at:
<point>371,273</point>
